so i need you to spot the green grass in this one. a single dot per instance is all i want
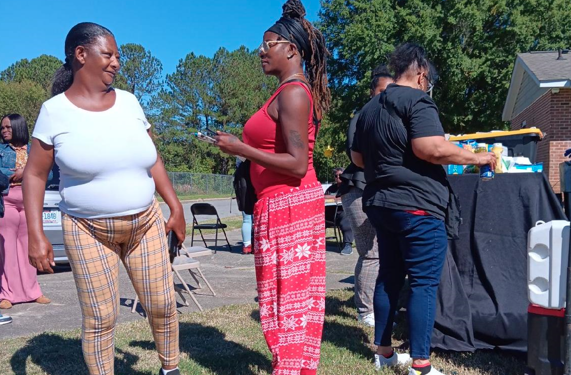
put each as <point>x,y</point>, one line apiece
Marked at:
<point>228,340</point>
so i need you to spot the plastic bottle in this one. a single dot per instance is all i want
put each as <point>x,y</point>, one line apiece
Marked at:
<point>486,171</point>
<point>498,149</point>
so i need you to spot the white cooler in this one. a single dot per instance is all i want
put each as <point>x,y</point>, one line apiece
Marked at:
<point>548,252</point>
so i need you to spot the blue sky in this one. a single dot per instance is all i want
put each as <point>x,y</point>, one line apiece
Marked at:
<point>170,29</point>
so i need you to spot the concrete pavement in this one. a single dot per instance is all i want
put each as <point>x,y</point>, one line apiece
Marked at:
<point>231,274</point>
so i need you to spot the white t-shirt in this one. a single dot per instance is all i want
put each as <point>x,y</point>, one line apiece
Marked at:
<point>105,158</point>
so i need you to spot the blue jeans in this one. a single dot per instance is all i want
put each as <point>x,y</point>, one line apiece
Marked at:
<point>410,245</point>
<point>246,229</point>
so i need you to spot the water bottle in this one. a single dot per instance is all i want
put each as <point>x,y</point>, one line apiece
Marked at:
<point>486,171</point>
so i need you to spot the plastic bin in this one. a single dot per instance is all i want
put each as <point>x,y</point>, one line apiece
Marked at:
<point>519,142</point>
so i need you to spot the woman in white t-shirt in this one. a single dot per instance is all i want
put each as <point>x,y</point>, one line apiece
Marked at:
<point>109,169</point>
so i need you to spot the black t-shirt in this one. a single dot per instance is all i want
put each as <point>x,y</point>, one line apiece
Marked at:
<point>395,177</point>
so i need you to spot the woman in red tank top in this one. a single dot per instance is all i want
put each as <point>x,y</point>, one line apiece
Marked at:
<point>289,227</point>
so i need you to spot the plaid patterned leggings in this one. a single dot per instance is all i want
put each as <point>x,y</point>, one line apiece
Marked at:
<point>94,248</point>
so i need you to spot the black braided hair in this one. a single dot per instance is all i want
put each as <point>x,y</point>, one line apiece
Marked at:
<point>316,62</point>
<point>82,34</point>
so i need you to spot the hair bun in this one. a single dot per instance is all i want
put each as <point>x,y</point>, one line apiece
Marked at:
<point>293,9</point>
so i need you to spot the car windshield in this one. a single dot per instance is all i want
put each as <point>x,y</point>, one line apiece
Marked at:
<point>53,183</point>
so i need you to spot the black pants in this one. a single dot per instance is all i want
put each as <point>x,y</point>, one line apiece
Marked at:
<point>343,222</point>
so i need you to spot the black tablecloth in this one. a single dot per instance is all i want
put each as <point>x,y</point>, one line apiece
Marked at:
<point>482,299</point>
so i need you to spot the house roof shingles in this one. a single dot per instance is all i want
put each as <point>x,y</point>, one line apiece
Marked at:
<point>546,67</point>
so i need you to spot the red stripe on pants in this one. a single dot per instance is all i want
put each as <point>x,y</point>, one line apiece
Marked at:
<point>289,246</point>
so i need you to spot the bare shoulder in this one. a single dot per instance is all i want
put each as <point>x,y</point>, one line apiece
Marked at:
<point>294,97</point>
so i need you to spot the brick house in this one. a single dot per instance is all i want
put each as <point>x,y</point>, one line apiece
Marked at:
<point>540,96</point>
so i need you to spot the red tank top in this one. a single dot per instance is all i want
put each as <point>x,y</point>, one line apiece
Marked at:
<point>263,133</point>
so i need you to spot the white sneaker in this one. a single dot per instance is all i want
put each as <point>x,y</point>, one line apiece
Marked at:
<point>368,320</point>
<point>433,371</point>
<point>395,360</point>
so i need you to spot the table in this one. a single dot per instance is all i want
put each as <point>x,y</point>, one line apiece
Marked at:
<point>332,202</point>
<point>482,300</point>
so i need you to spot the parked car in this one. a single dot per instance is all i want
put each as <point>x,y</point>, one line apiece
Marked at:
<point>52,217</point>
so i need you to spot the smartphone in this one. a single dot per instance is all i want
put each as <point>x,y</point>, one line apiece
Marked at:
<point>205,138</point>
<point>209,132</point>
<point>173,245</point>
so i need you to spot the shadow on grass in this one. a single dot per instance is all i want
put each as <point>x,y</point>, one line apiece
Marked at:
<point>350,337</point>
<point>338,307</point>
<point>333,306</point>
<point>338,334</point>
<point>56,355</point>
<point>490,362</point>
<point>208,347</point>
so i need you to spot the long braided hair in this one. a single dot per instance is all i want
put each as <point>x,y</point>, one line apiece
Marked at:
<point>316,62</point>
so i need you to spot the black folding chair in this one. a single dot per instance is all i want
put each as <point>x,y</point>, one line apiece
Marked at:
<point>206,209</point>
<point>331,221</point>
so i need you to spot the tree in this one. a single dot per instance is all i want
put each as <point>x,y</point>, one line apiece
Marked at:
<point>221,93</point>
<point>241,86</point>
<point>141,72</point>
<point>25,98</point>
<point>40,70</point>
<point>25,85</point>
<point>473,44</point>
<point>329,136</point>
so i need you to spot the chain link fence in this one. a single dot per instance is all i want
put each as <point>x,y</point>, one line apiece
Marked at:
<point>201,184</point>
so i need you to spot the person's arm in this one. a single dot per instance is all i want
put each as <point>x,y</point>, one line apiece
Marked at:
<point>428,139</point>
<point>293,113</point>
<point>328,194</point>
<point>4,181</point>
<point>7,171</point>
<point>357,159</point>
<point>356,152</point>
<point>40,161</point>
<point>17,176</point>
<point>437,150</point>
<point>176,221</point>
<point>351,135</point>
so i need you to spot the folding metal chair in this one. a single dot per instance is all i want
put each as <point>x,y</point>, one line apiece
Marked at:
<point>186,261</point>
<point>206,209</point>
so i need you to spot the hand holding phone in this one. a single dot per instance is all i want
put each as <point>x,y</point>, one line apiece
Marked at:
<point>205,138</point>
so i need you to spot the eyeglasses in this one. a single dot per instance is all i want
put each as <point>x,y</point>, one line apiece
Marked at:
<point>338,175</point>
<point>430,84</point>
<point>266,45</point>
